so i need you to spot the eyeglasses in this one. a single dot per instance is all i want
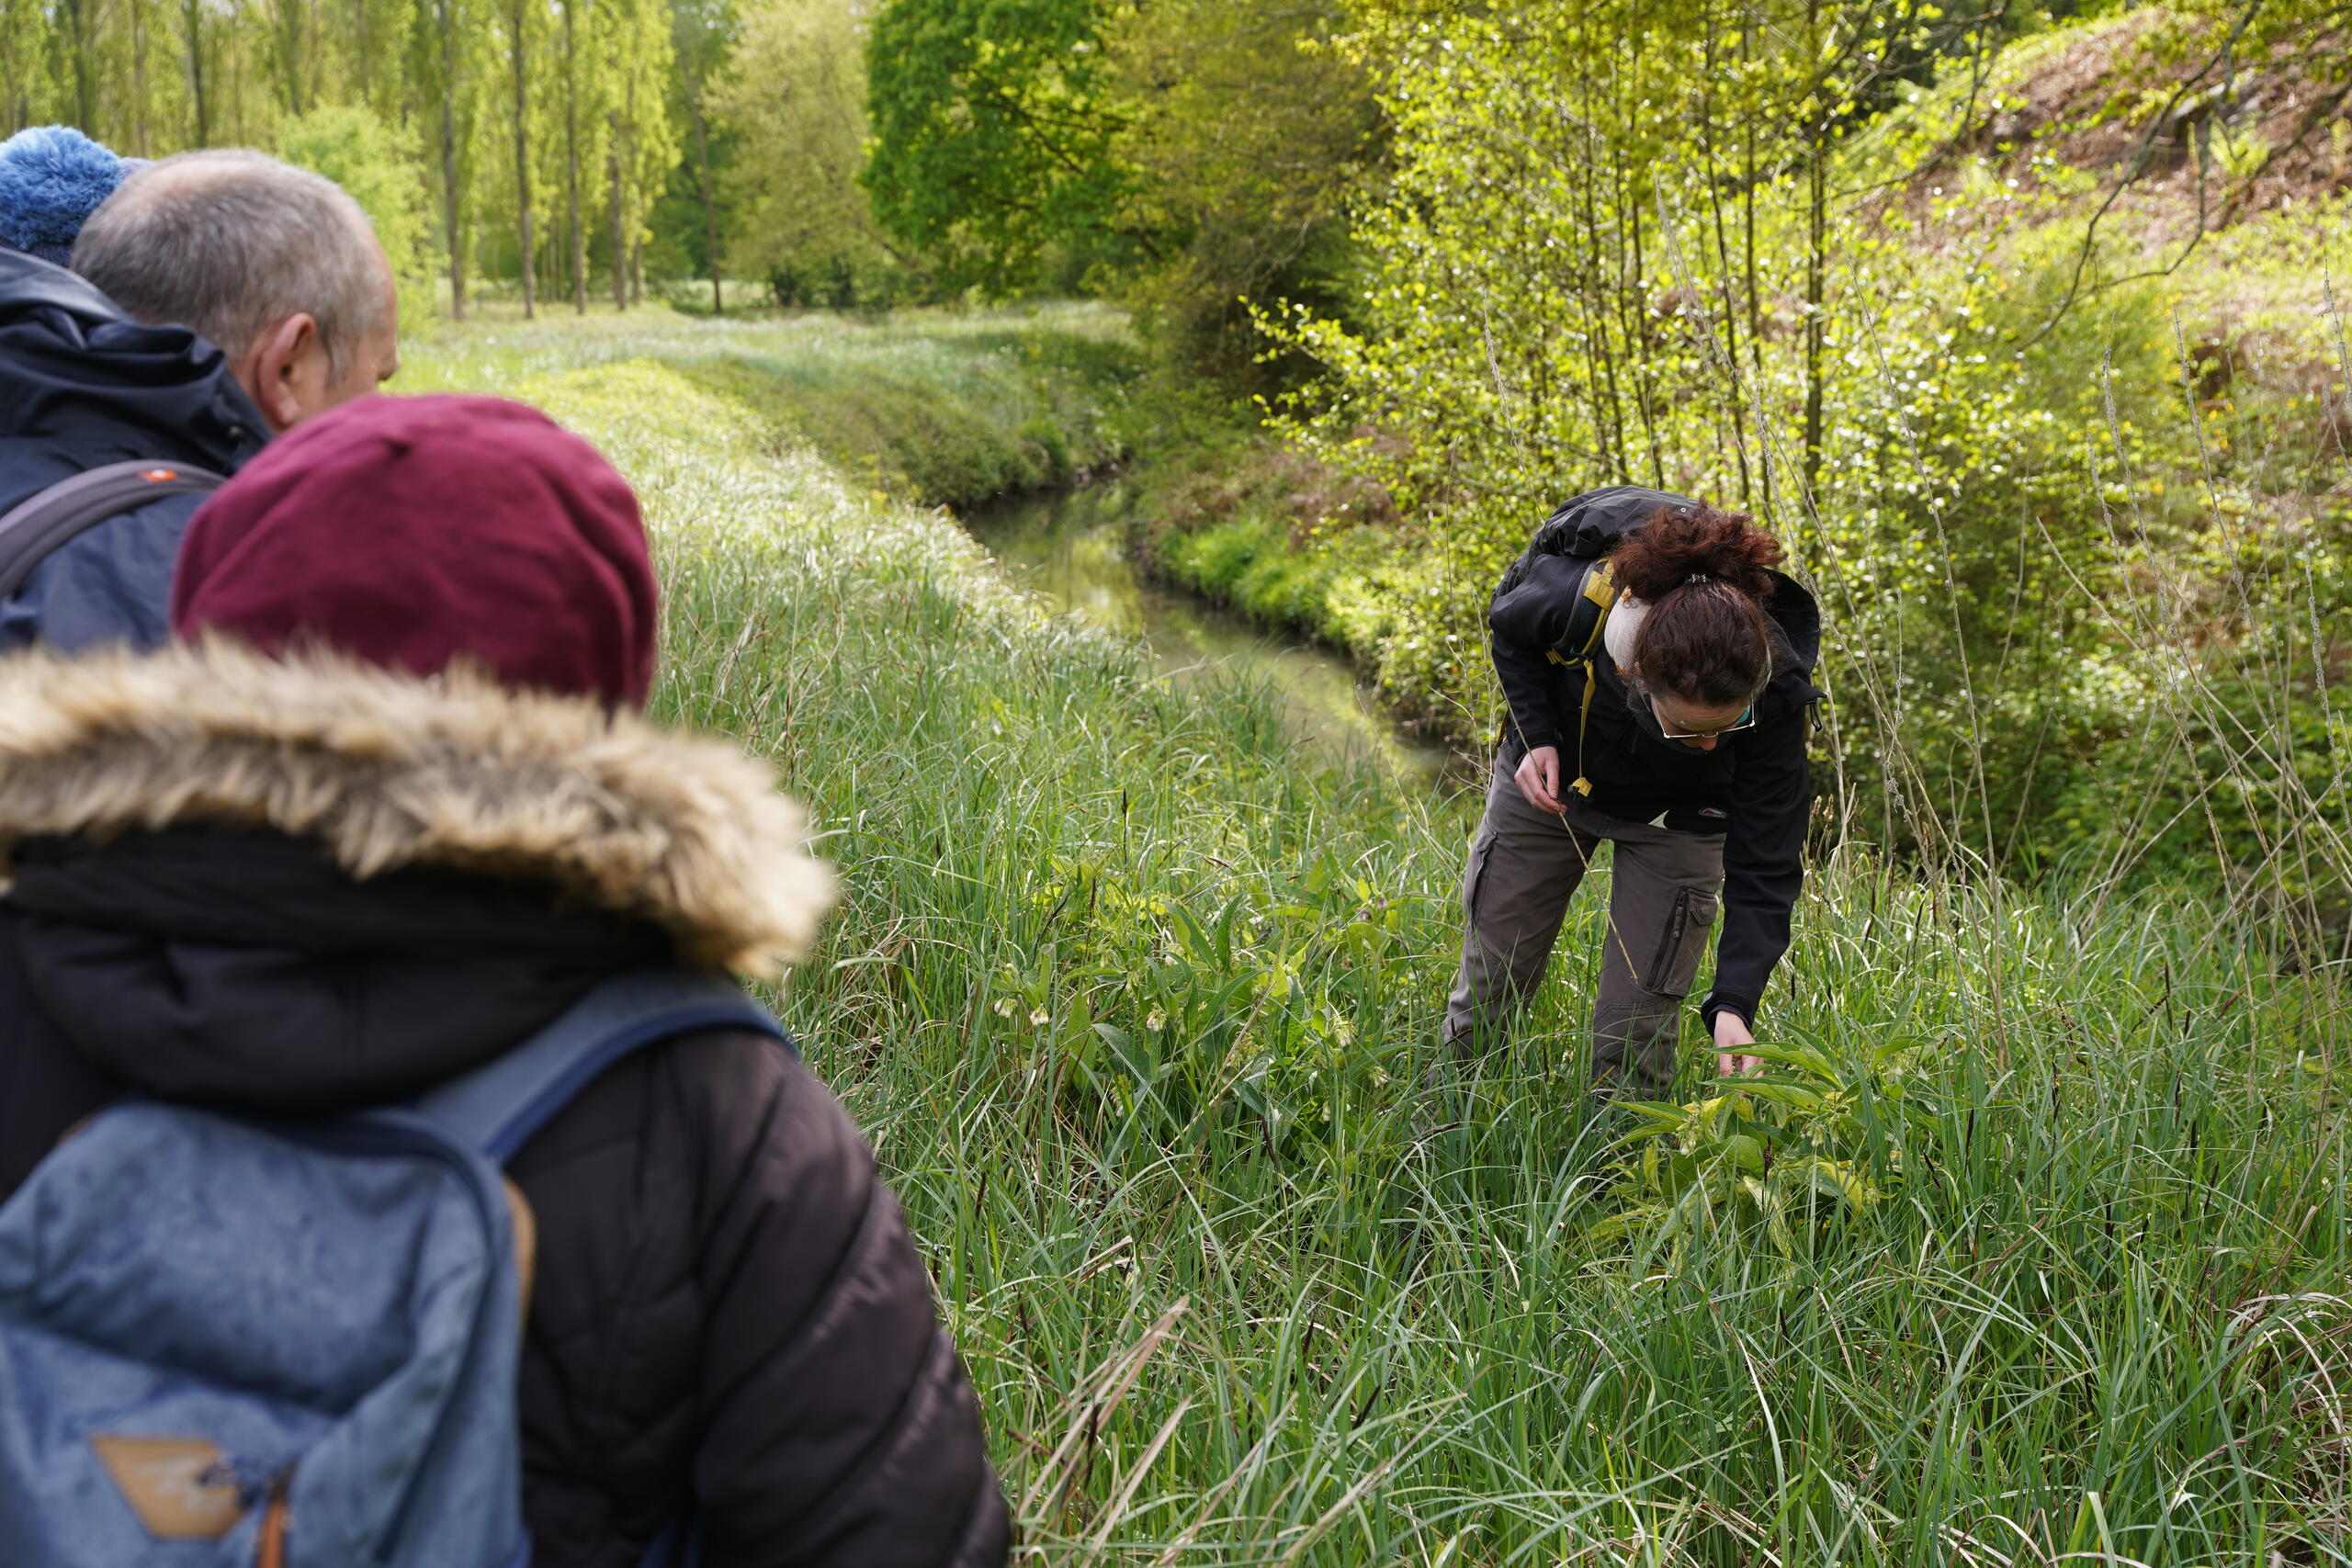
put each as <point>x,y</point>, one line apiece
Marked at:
<point>1746,720</point>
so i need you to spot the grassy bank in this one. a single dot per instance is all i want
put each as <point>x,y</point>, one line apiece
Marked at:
<point>2040,1252</point>
<point>928,406</point>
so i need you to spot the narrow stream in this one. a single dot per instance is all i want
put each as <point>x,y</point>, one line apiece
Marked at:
<point>1070,545</point>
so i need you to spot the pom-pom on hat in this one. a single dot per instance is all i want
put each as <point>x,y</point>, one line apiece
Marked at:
<point>417,533</point>
<point>51,178</point>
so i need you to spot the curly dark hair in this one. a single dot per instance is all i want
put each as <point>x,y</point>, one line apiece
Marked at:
<point>1705,575</point>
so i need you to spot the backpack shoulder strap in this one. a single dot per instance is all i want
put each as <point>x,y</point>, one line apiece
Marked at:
<point>498,1105</point>
<point>1587,627</point>
<point>1587,619</point>
<point>36,526</point>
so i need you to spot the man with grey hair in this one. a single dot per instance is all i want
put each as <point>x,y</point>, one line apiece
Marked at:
<point>241,296</point>
<point>276,265</point>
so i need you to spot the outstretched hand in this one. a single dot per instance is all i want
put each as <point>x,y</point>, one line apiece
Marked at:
<point>1731,1034</point>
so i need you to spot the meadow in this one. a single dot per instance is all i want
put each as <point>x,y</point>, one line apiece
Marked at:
<point>2029,1247</point>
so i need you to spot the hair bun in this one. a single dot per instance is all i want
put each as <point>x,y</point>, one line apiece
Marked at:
<point>1676,549</point>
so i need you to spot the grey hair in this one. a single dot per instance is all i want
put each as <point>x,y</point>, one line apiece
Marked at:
<point>231,243</point>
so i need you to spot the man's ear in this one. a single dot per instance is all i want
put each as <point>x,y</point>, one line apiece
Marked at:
<point>279,367</point>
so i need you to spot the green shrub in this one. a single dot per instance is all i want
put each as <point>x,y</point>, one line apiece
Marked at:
<point>350,146</point>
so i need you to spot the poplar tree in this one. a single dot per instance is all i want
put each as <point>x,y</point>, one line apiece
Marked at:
<point>444,76</point>
<point>640,146</point>
<point>522,21</point>
<point>572,70</point>
<point>703,35</point>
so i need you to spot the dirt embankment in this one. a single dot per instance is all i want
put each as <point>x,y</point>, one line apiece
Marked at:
<point>2189,124</point>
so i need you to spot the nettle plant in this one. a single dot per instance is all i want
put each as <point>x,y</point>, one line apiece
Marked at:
<point>1783,1158</point>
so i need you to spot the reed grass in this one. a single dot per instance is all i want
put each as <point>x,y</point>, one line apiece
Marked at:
<point>1135,997</point>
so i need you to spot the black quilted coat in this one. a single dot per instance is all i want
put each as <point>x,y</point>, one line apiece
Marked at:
<point>727,1313</point>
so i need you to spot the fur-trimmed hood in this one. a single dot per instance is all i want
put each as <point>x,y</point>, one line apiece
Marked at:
<point>388,771</point>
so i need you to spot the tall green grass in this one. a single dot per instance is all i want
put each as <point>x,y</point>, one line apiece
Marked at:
<point>1136,998</point>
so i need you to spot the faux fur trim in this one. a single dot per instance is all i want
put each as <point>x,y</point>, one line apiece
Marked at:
<point>387,771</point>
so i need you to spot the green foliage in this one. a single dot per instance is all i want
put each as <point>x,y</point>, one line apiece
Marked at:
<point>352,147</point>
<point>1823,1138</point>
<point>993,131</point>
<point>1193,157</point>
<point>1249,136</point>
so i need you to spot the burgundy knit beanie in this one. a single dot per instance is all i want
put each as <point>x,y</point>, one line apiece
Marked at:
<point>415,532</point>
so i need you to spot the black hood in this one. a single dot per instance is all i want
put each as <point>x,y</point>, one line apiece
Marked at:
<point>1797,613</point>
<point>246,969</point>
<point>82,384</point>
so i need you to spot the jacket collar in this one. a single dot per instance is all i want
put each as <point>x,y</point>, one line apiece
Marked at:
<point>27,283</point>
<point>76,369</point>
<point>387,771</point>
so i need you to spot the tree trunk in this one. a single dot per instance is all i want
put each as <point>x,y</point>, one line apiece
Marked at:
<point>138,95</point>
<point>637,271</point>
<point>1722,265</point>
<point>364,51</point>
<point>449,225</point>
<point>522,161</point>
<point>1748,251</point>
<point>571,160</point>
<point>192,15</point>
<point>710,206</point>
<point>289,52</point>
<point>620,238</point>
<point>79,23</point>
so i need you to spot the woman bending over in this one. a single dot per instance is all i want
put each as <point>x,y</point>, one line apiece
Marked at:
<point>1657,670</point>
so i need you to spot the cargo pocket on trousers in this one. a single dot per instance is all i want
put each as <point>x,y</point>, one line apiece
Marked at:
<point>1481,847</point>
<point>1679,945</point>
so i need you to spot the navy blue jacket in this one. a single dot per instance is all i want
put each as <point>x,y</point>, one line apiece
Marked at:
<point>82,385</point>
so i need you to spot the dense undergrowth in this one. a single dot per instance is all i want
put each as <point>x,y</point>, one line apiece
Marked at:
<point>2034,1247</point>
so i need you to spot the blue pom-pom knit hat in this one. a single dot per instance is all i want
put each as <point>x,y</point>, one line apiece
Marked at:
<point>51,178</point>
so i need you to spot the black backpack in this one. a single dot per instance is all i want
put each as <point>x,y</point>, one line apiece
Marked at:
<point>1556,598</point>
<point>34,528</point>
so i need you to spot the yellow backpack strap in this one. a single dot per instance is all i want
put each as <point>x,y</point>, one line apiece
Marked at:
<point>1600,592</point>
<point>1583,785</point>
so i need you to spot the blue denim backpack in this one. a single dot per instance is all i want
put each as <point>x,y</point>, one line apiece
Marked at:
<point>244,1343</point>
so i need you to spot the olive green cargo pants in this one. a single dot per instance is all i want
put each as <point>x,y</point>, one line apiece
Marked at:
<point>1524,866</point>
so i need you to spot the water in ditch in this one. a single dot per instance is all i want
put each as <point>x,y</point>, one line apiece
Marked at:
<point>1070,545</point>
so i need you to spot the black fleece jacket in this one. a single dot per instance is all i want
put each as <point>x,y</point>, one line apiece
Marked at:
<point>727,1313</point>
<point>1754,787</point>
